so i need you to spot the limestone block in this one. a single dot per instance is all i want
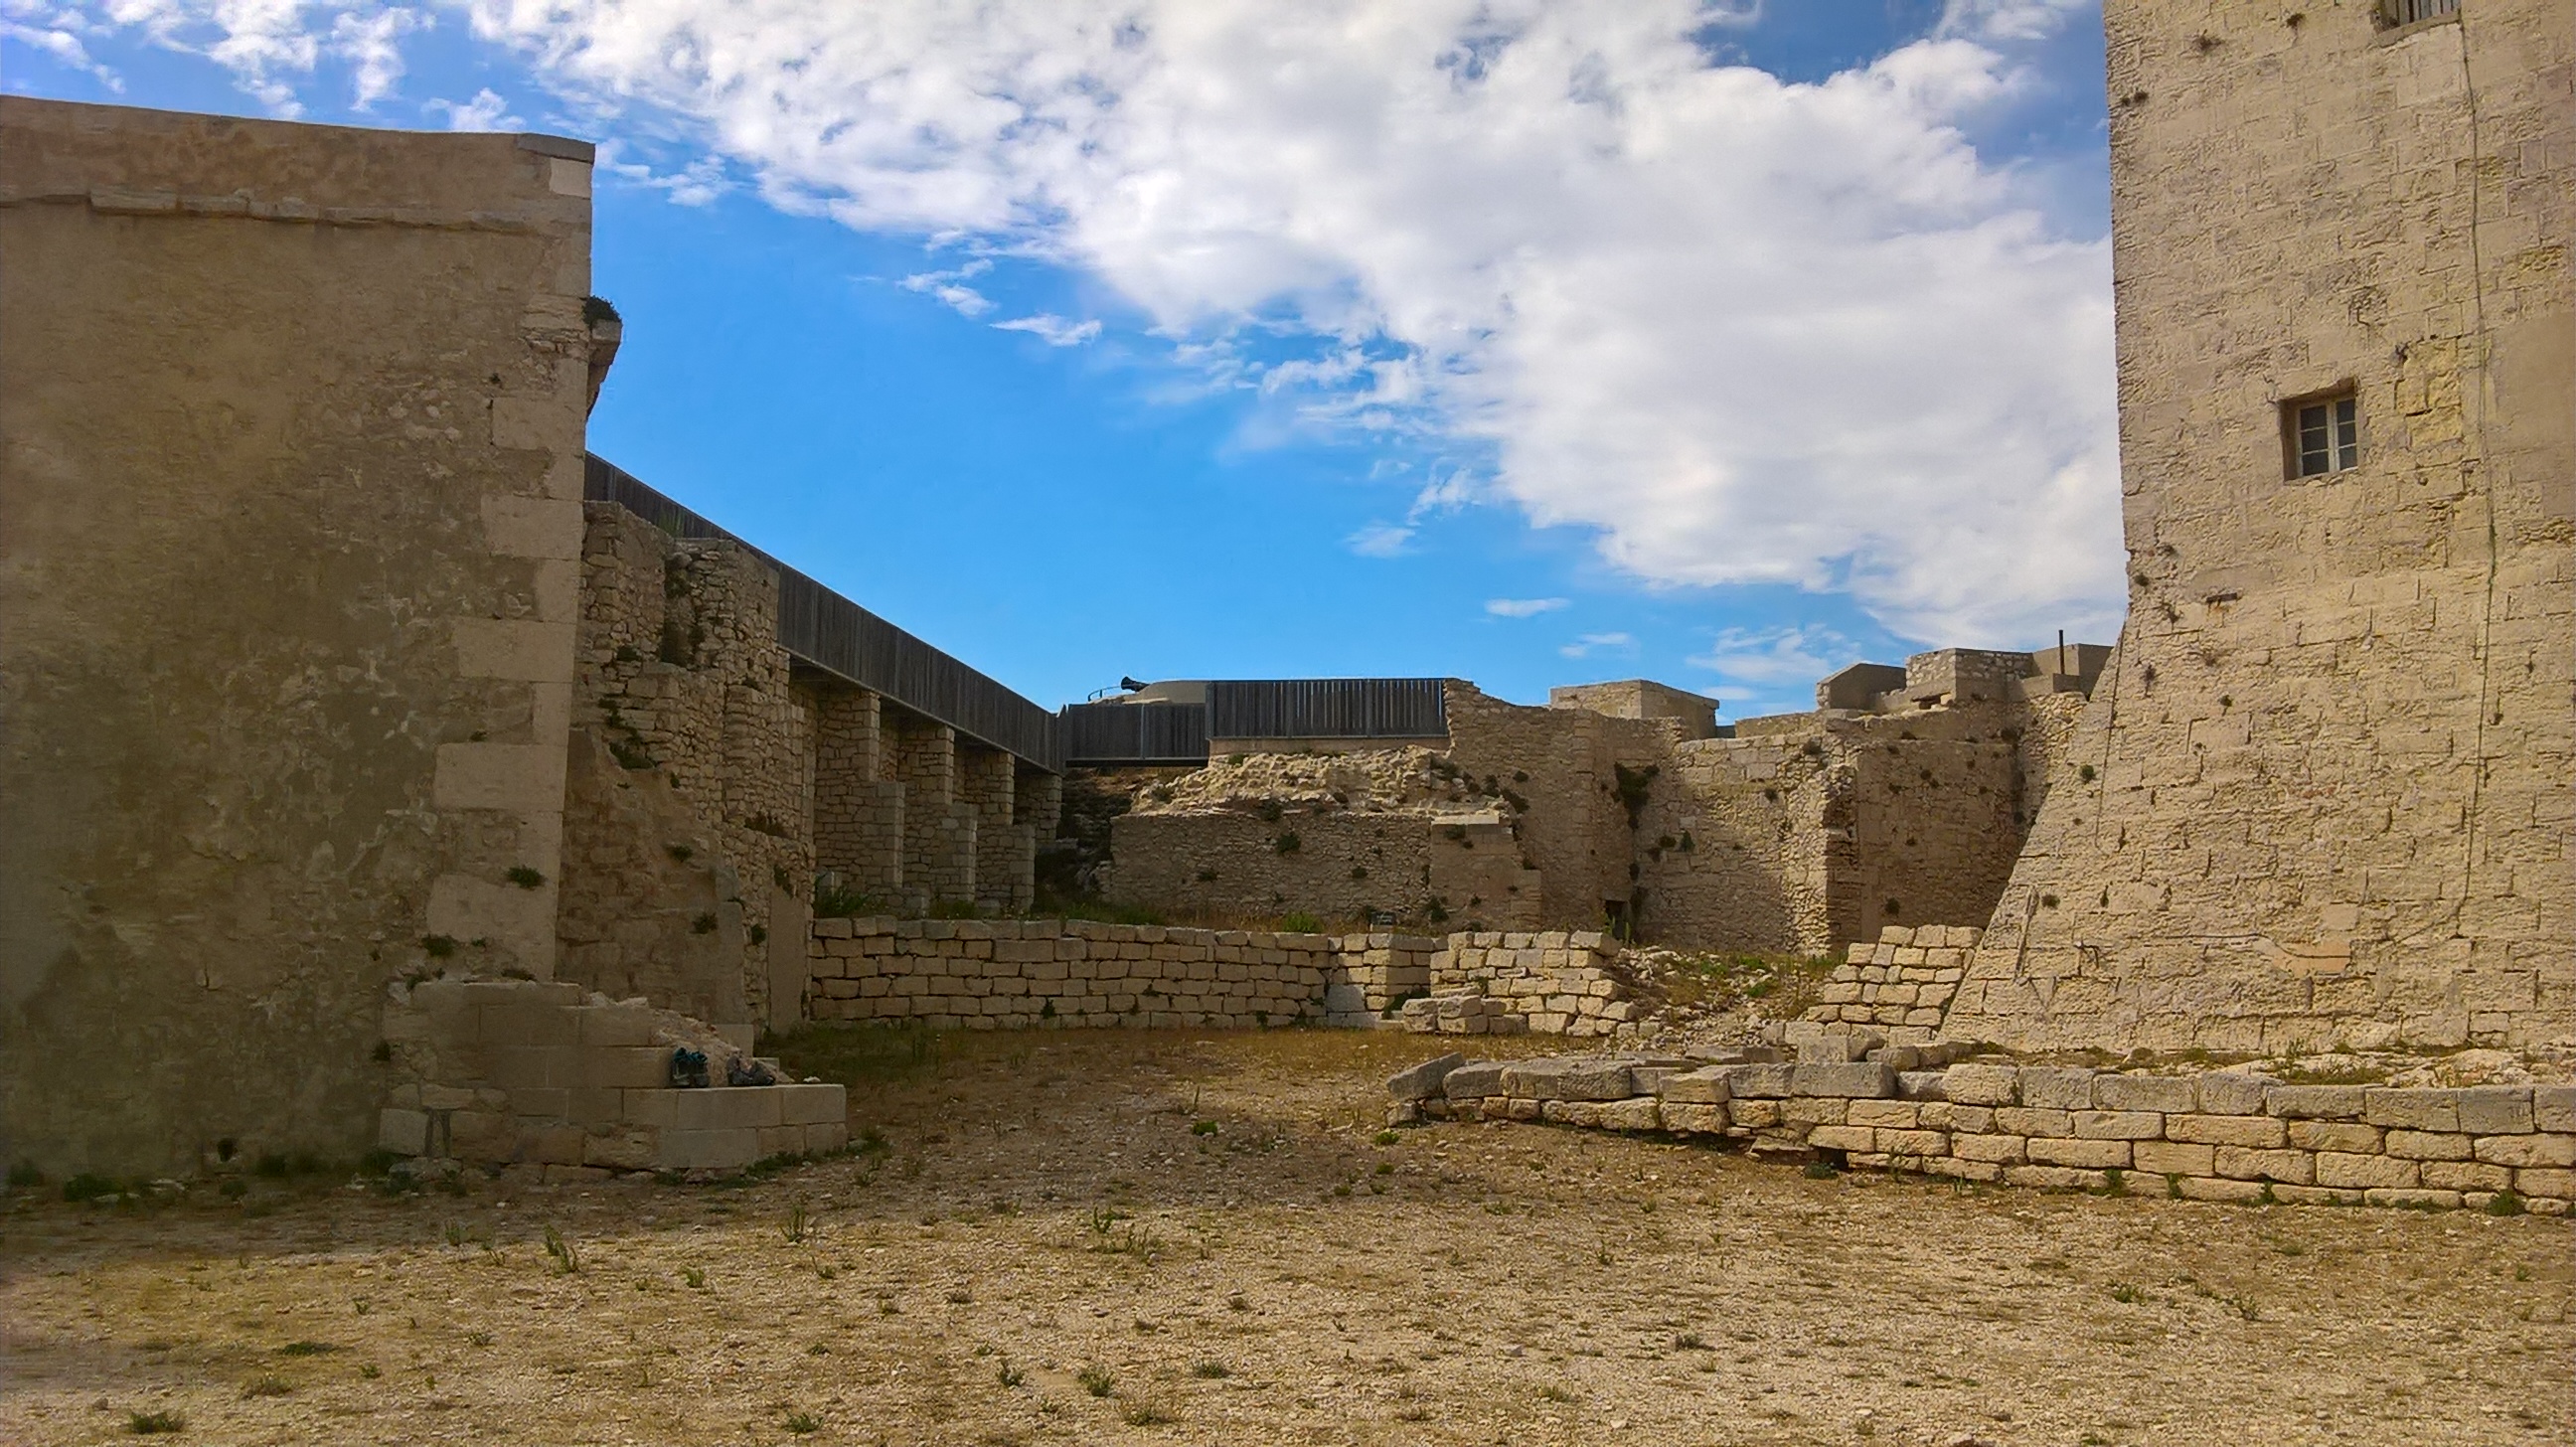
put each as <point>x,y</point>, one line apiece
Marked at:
<point>1423,1081</point>
<point>1754,1114</point>
<point>1758,1081</point>
<point>2054,1178</point>
<point>749,1107</point>
<point>2256,1132</point>
<point>1706,1086</point>
<point>1889,1114</point>
<point>2296,1168</point>
<point>1922,1085</point>
<point>2166,1094</point>
<point>2436,1110</point>
<point>624,1150</point>
<point>2496,1110</point>
<point>2453,1175</point>
<point>2546,1152</point>
<point>2541,1181</point>
<point>2320,1135</point>
<point>2361,1171</point>
<point>2169,1158</point>
<point>1692,1118</point>
<point>2026,1120</point>
<point>1815,1110</point>
<point>1842,1138</point>
<point>2089,1154</point>
<point>2205,1188</point>
<point>2420,1145</point>
<point>2417,1200</point>
<point>2553,1107</point>
<point>2314,1102</point>
<point>2054,1088</point>
<point>1916,1143</point>
<point>1863,1079</point>
<point>812,1104</point>
<point>2229,1092</point>
<point>1996,1149</point>
<point>713,1149</point>
<point>404,1132</point>
<point>1567,1078</point>
<point>1982,1084</point>
<point>1635,1113</point>
<point>2118,1125</point>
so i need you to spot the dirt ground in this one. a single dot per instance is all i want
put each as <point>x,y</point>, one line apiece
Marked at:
<point>1185,1238</point>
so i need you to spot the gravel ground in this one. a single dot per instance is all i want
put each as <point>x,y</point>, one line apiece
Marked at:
<point>1186,1238</point>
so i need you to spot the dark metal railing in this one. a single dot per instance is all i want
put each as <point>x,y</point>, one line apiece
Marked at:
<point>1327,708</point>
<point>1134,733</point>
<point>820,627</point>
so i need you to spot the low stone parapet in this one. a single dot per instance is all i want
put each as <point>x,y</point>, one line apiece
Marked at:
<point>539,1073</point>
<point>1027,974</point>
<point>2227,1135</point>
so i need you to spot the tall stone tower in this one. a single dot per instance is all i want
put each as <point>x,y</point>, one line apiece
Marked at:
<point>2326,793</point>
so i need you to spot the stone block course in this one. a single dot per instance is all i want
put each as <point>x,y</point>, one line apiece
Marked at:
<point>2304,1155</point>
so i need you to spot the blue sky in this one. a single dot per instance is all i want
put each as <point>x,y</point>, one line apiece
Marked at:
<point>1530,343</point>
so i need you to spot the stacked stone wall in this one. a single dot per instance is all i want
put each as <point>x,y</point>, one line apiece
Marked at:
<point>2321,795</point>
<point>527,1073</point>
<point>1018,975</point>
<point>858,806</point>
<point>1903,984</point>
<point>1338,866</point>
<point>682,675</point>
<point>1552,982</point>
<point>2216,1136</point>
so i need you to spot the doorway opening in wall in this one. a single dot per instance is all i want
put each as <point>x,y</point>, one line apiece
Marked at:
<point>2321,433</point>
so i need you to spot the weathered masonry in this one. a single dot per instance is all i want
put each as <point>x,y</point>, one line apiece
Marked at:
<point>290,528</point>
<point>380,766</point>
<point>2323,793</point>
<point>1903,798</point>
<point>736,713</point>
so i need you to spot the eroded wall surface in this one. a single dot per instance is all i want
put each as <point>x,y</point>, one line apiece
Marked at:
<point>289,539</point>
<point>2323,792</point>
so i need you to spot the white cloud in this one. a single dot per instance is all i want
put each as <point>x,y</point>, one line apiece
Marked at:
<point>2008,20</point>
<point>1380,540</point>
<point>950,287</point>
<point>41,26</point>
<point>1524,607</point>
<point>1591,643</point>
<point>486,112</point>
<point>368,43</point>
<point>1746,330</point>
<point>1054,330</point>
<point>1774,656</point>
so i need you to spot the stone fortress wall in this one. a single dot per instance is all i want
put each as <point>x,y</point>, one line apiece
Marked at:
<point>1041,973</point>
<point>290,526</point>
<point>1904,801</point>
<point>2323,793</point>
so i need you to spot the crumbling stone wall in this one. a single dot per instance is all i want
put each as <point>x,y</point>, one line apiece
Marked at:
<point>1337,865</point>
<point>1008,974</point>
<point>683,680</point>
<point>289,529</point>
<point>2322,793</point>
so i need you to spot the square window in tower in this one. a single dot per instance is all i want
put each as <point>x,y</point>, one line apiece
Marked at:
<point>2321,434</point>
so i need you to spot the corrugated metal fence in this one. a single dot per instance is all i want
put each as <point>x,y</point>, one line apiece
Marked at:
<point>1327,708</point>
<point>1135,733</point>
<point>822,628</point>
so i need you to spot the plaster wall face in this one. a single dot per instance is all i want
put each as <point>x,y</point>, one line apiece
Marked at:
<point>2322,793</point>
<point>293,443</point>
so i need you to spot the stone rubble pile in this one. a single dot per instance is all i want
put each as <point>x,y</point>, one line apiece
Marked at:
<point>2219,1135</point>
